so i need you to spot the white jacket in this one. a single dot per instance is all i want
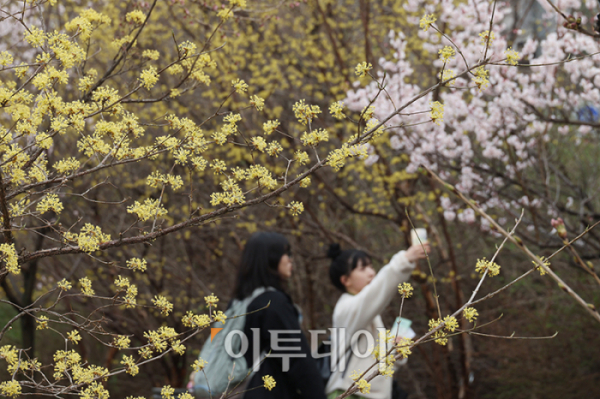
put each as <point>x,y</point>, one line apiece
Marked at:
<point>362,312</point>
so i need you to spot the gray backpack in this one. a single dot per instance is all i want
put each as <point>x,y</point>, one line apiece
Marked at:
<point>214,380</point>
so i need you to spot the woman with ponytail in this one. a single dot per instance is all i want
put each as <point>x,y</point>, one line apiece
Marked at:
<point>365,294</point>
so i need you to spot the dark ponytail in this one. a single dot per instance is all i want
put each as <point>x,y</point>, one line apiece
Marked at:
<point>343,262</point>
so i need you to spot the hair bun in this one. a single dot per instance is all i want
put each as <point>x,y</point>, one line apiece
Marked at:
<point>334,251</point>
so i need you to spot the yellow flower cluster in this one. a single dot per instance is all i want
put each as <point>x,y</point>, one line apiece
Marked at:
<point>64,285</point>
<point>130,296</point>
<point>63,361</point>
<point>296,208</point>
<point>130,366</point>
<point>199,365</point>
<point>363,386</point>
<point>362,69</point>
<point>492,267</point>
<point>304,183</point>
<point>74,336</point>
<point>337,110</point>
<point>270,126</point>
<point>470,314</point>
<point>481,78</point>
<point>219,316</point>
<point>337,158</point>
<point>42,323</point>
<point>426,21</point>
<point>163,304</point>
<point>257,102</point>
<point>93,391</point>
<point>196,321</point>
<point>10,388</point>
<point>121,342</point>
<point>148,210</point>
<point>6,58</point>
<point>269,382</point>
<point>149,77</point>
<point>448,74</point>
<point>440,335</point>
<point>10,258</point>
<point>405,289</point>
<point>487,38</point>
<point>211,300</point>
<point>512,57</point>
<point>437,112</point>
<point>403,347</point>
<point>159,340</point>
<point>156,179</point>
<point>49,202</point>
<point>137,264</point>
<point>136,16</point>
<point>89,239</point>
<point>302,157</point>
<point>305,113</point>
<point>65,166</point>
<point>315,137</point>
<point>447,53</point>
<point>86,286</point>
<point>239,85</point>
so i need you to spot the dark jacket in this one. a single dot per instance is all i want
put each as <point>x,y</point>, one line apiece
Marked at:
<point>302,380</point>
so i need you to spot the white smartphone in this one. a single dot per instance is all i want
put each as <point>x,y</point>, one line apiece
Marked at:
<point>418,236</point>
<point>402,328</point>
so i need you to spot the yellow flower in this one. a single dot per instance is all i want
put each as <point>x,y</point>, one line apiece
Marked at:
<point>362,69</point>
<point>539,268</point>
<point>74,336</point>
<point>483,265</point>
<point>257,102</point>
<point>137,264</point>
<point>301,157</point>
<point>49,202</point>
<point>239,85</point>
<point>336,110</point>
<point>86,286</point>
<point>167,392</point>
<point>121,342</point>
<point>437,112</point>
<point>447,53</point>
<point>487,38</point>
<point>426,21</point>
<point>305,113</point>
<point>64,285</point>
<point>450,323</point>
<point>130,365</point>
<point>470,314</point>
<point>136,16</point>
<point>10,388</point>
<point>151,54</point>
<point>447,74</point>
<point>439,335</point>
<point>305,182</point>
<point>403,347</point>
<point>199,364</point>
<point>10,257</point>
<point>211,300</point>
<point>296,208</point>
<point>363,386</point>
<point>269,382</point>
<point>270,126</point>
<point>512,57</point>
<point>163,304</point>
<point>42,323</point>
<point>405,289</point>
<point>149,77</point>
<point>481,78</point>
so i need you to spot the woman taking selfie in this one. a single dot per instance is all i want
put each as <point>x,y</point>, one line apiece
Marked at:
<point>365,295</point>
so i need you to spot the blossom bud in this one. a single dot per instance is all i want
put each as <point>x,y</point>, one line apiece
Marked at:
<point>559,225</point>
